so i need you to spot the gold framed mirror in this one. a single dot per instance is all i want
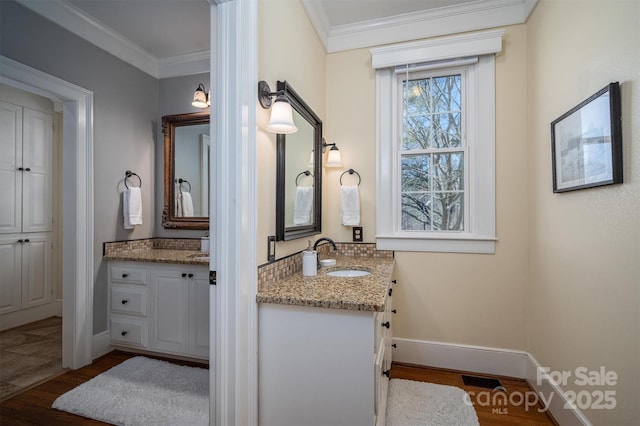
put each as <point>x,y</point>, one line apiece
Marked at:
<point>186,171</point>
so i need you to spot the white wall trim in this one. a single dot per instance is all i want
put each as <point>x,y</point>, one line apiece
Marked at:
<point>77,215</point>
<point>70,17</point>
<point>477,359</point>
<point>550,391</point>
<point>35,313</point>
<point>235,42</point>
<point>492,361</point>
<point>101,344</point>
<point>461,18</point>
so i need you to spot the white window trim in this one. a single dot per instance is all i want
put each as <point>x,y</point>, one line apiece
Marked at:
<point>480,235</point>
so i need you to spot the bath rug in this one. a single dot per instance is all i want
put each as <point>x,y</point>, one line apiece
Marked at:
<point>142,391</point>
<point>412,403</point>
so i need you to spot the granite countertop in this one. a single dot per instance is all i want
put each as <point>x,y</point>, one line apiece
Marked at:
<point>367,293</point>
<point>189,257</point>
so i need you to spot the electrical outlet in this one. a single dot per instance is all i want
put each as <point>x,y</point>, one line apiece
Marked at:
<point>357,234</point>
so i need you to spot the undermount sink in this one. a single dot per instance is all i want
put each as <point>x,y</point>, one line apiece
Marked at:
<point>348,273</point>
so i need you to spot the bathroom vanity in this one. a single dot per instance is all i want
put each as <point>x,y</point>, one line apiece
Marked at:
<point>325,346</point>
<point>159,301</point>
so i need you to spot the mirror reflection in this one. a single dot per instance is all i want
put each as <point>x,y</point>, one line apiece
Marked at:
<point>299,173</point>
<point>187,147</point>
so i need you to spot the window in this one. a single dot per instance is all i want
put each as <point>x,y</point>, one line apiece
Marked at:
<point>435,120</point>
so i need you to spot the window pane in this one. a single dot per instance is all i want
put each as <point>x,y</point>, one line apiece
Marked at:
<point>448,172</point>
<point>446,130</point>
<point>416,99</point>
<point>446,93</point>
<point>415,132</point>
<point>415,173</point>
<point>448,211</point>
<point>416,212</point>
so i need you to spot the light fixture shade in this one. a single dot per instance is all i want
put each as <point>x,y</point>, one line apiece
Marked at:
<point>200,97</point>
<point>281,120</point>
<point>334,159</point>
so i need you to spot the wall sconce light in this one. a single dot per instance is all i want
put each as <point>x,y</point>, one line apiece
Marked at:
<point>201,99</point>
<point>334,159</point>
<point>281,120</point>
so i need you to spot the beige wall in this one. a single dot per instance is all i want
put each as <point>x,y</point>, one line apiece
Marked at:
<point>458,298</point>
<point>290,50</point>
<point>583,296</point>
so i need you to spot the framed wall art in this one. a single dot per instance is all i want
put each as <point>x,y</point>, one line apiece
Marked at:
<point>586,143</point>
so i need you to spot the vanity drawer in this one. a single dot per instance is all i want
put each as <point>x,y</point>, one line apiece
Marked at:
<point>130,301</point>
<point>128,274</point>
<point>128,331</point>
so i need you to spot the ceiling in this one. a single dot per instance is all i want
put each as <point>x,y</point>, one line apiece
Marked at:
<point>168,38</point>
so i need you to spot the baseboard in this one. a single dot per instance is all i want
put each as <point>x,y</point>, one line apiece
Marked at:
<point>478,359</point>
<point>35,313</point>
<point>101,344</point>
<point>559,408</point>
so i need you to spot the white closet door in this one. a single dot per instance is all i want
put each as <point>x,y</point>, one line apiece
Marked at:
<point>10,161</point>
<point>36,262</point>
<point>10,281</point>
<point>37,163</point>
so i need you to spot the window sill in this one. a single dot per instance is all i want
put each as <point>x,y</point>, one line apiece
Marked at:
<point>448,244</point>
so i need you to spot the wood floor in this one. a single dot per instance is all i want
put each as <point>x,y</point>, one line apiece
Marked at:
<point>30,354</point>
<point>487,403</point>
<point>33,407</point>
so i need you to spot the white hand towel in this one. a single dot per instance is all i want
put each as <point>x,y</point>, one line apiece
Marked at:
<point>350,197</point>
<point>187,205</point>
<point>125,210</point>
<point>302,206</point>
<point>134,197</point>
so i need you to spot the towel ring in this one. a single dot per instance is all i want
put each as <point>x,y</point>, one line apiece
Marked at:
<point>306,173</point>
<point>351,171</point>
<point>181,181</point>
<point>128,174</point>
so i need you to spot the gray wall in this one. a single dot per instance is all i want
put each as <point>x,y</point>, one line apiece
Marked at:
<point>176,95</point>
<point>126,123</point>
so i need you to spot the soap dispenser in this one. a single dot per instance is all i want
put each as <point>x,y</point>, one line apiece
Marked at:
<point>309,262</point>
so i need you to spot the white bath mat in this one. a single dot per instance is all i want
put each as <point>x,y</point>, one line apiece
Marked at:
<point>142,391</point>
<point>412,403</point>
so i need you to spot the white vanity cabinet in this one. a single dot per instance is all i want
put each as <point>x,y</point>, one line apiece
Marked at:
<point>321,366</point>
<point>160,307</point>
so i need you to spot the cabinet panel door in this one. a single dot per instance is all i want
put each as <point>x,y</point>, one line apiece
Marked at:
<point>10,161</point>
<point>169,293</point>
<point>199,317</point>
<point>37,162</point>
<point>10,281</point>
<point>36,279</point>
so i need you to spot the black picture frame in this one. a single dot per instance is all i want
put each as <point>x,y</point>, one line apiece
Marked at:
<point>586,143</point>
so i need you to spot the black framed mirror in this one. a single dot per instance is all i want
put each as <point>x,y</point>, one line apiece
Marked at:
<point>299,173</point>
<point>186,171</point>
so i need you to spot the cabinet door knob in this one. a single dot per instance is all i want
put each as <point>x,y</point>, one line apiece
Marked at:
<point>125,275</point>
<point>20,241</point>
<point>26,240</point>
<point>390,291</point>
<point>27,169</point>
<point>386,373</point>
<point>190,275</point>
<point>395,311</point>
<point>124,333</point>
<point>394,281</point>
<point>20,169</point>
<point>386,324</point>
<point>184,274</point>
<point>393,345</point>
<point>125,301</point>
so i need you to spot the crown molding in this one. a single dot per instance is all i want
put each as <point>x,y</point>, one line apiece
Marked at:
<point>478,15</point>
<point>86,27</point>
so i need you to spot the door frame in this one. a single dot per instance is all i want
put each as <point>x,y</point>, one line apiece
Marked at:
<point>76,105</point>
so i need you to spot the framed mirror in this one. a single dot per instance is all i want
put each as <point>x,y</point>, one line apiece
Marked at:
<point>299,173</point>
<point>186,171</point>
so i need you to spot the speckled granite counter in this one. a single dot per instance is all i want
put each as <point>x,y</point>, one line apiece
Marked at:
<point>158,250</point>
<point>365,293</point>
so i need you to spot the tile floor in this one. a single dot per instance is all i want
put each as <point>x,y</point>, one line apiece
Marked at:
<point>30,354</point>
